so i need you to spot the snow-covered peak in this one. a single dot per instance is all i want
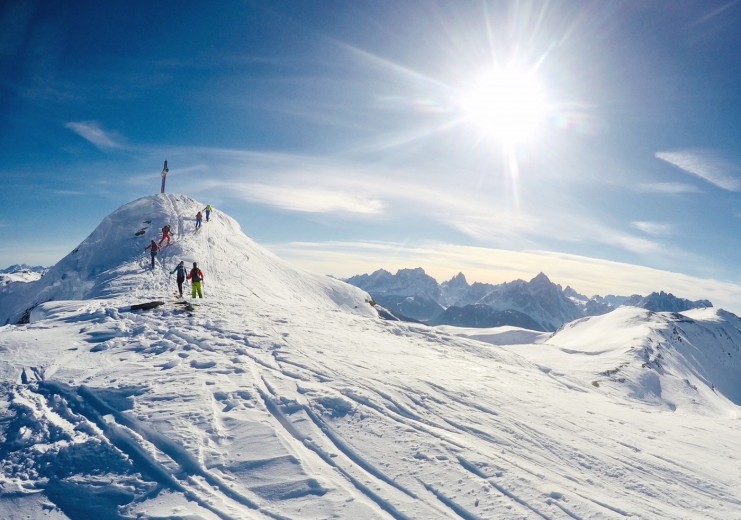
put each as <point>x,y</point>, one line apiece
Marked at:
<point>112,263</point>
<point>541,280</point>
<point>23,268</point>
<point>406,282</point>
<point>458,280</point>
<point>688,360</point>
<point>666,302</point>
<point>21,273</point>
<point>574,295</point>
<point>454,289</point>
<point>539,298</point>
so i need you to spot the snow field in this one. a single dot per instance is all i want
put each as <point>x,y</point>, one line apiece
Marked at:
<point>282,396</point>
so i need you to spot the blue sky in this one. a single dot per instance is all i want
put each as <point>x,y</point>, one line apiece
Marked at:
<point>350,136</point>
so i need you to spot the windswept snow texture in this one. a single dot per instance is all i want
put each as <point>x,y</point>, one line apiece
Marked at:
<point>282,395</point>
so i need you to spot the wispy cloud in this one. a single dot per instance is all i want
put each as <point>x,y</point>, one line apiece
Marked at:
<point>453,206</point>
<point>311,199</point>
<point>69,192</point>
<point>190,174</point>
<point>667,188</point>
<point>653,228</point>
<point>92,132</point>
<point>717,11</point>
<point>707,165</point>
<point>634,244</point>
<point>300,182</point>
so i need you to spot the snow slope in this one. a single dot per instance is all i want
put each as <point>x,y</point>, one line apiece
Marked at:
<point>112,262</point>
<point>688,360</point>
<point>505,335</point>
<point>282,395</point>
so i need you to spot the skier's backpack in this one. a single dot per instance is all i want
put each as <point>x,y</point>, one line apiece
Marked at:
<point>166,229</point>
<point>195,275</point>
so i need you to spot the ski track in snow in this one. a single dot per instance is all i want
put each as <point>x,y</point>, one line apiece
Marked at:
<point>222,352</point>
<point>265,401</point>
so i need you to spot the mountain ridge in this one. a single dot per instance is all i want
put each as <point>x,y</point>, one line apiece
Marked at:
<point>542,303</point>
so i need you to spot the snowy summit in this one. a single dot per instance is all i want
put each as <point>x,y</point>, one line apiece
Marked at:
<point>282,395</point>
<point>112,263</point>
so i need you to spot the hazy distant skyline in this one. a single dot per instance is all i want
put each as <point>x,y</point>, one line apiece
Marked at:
<point>471,136</point>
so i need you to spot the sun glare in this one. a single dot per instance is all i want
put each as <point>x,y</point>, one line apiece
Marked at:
<point>507,105</point>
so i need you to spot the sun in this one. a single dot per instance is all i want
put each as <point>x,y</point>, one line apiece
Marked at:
<point>508,105</point>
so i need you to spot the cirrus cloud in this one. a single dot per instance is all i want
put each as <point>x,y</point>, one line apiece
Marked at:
<point>707,165</point>
<point>653,228</point>
<point>667,188</point>
<point>311,199</point>
<point>93,133</point>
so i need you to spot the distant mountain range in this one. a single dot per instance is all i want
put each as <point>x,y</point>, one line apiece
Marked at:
<point>21,273</point>
<point>539,304</point>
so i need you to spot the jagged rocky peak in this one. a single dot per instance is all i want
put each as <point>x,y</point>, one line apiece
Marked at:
<point>542,286</point>
<point>667,302</point>
<point>544,301</point>
<point>572,293</point>
<point>541,280</point>
<point>416,273</point>
<point>372,282</point>
<point>458,280</point>
<point>21,268</point>
<point>418,282</point>
<point>406,282</point>
<point>454,289</point>
<point>380,274</point>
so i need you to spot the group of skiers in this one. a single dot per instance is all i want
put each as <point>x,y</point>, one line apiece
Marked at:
<point>199,215</point>
<point>195,275</point>
<point>154,247</point>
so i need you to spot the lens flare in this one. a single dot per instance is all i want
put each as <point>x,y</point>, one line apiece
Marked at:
<point>508,105</point>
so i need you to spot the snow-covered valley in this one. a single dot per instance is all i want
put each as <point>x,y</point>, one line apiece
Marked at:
<point>283,395</point>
